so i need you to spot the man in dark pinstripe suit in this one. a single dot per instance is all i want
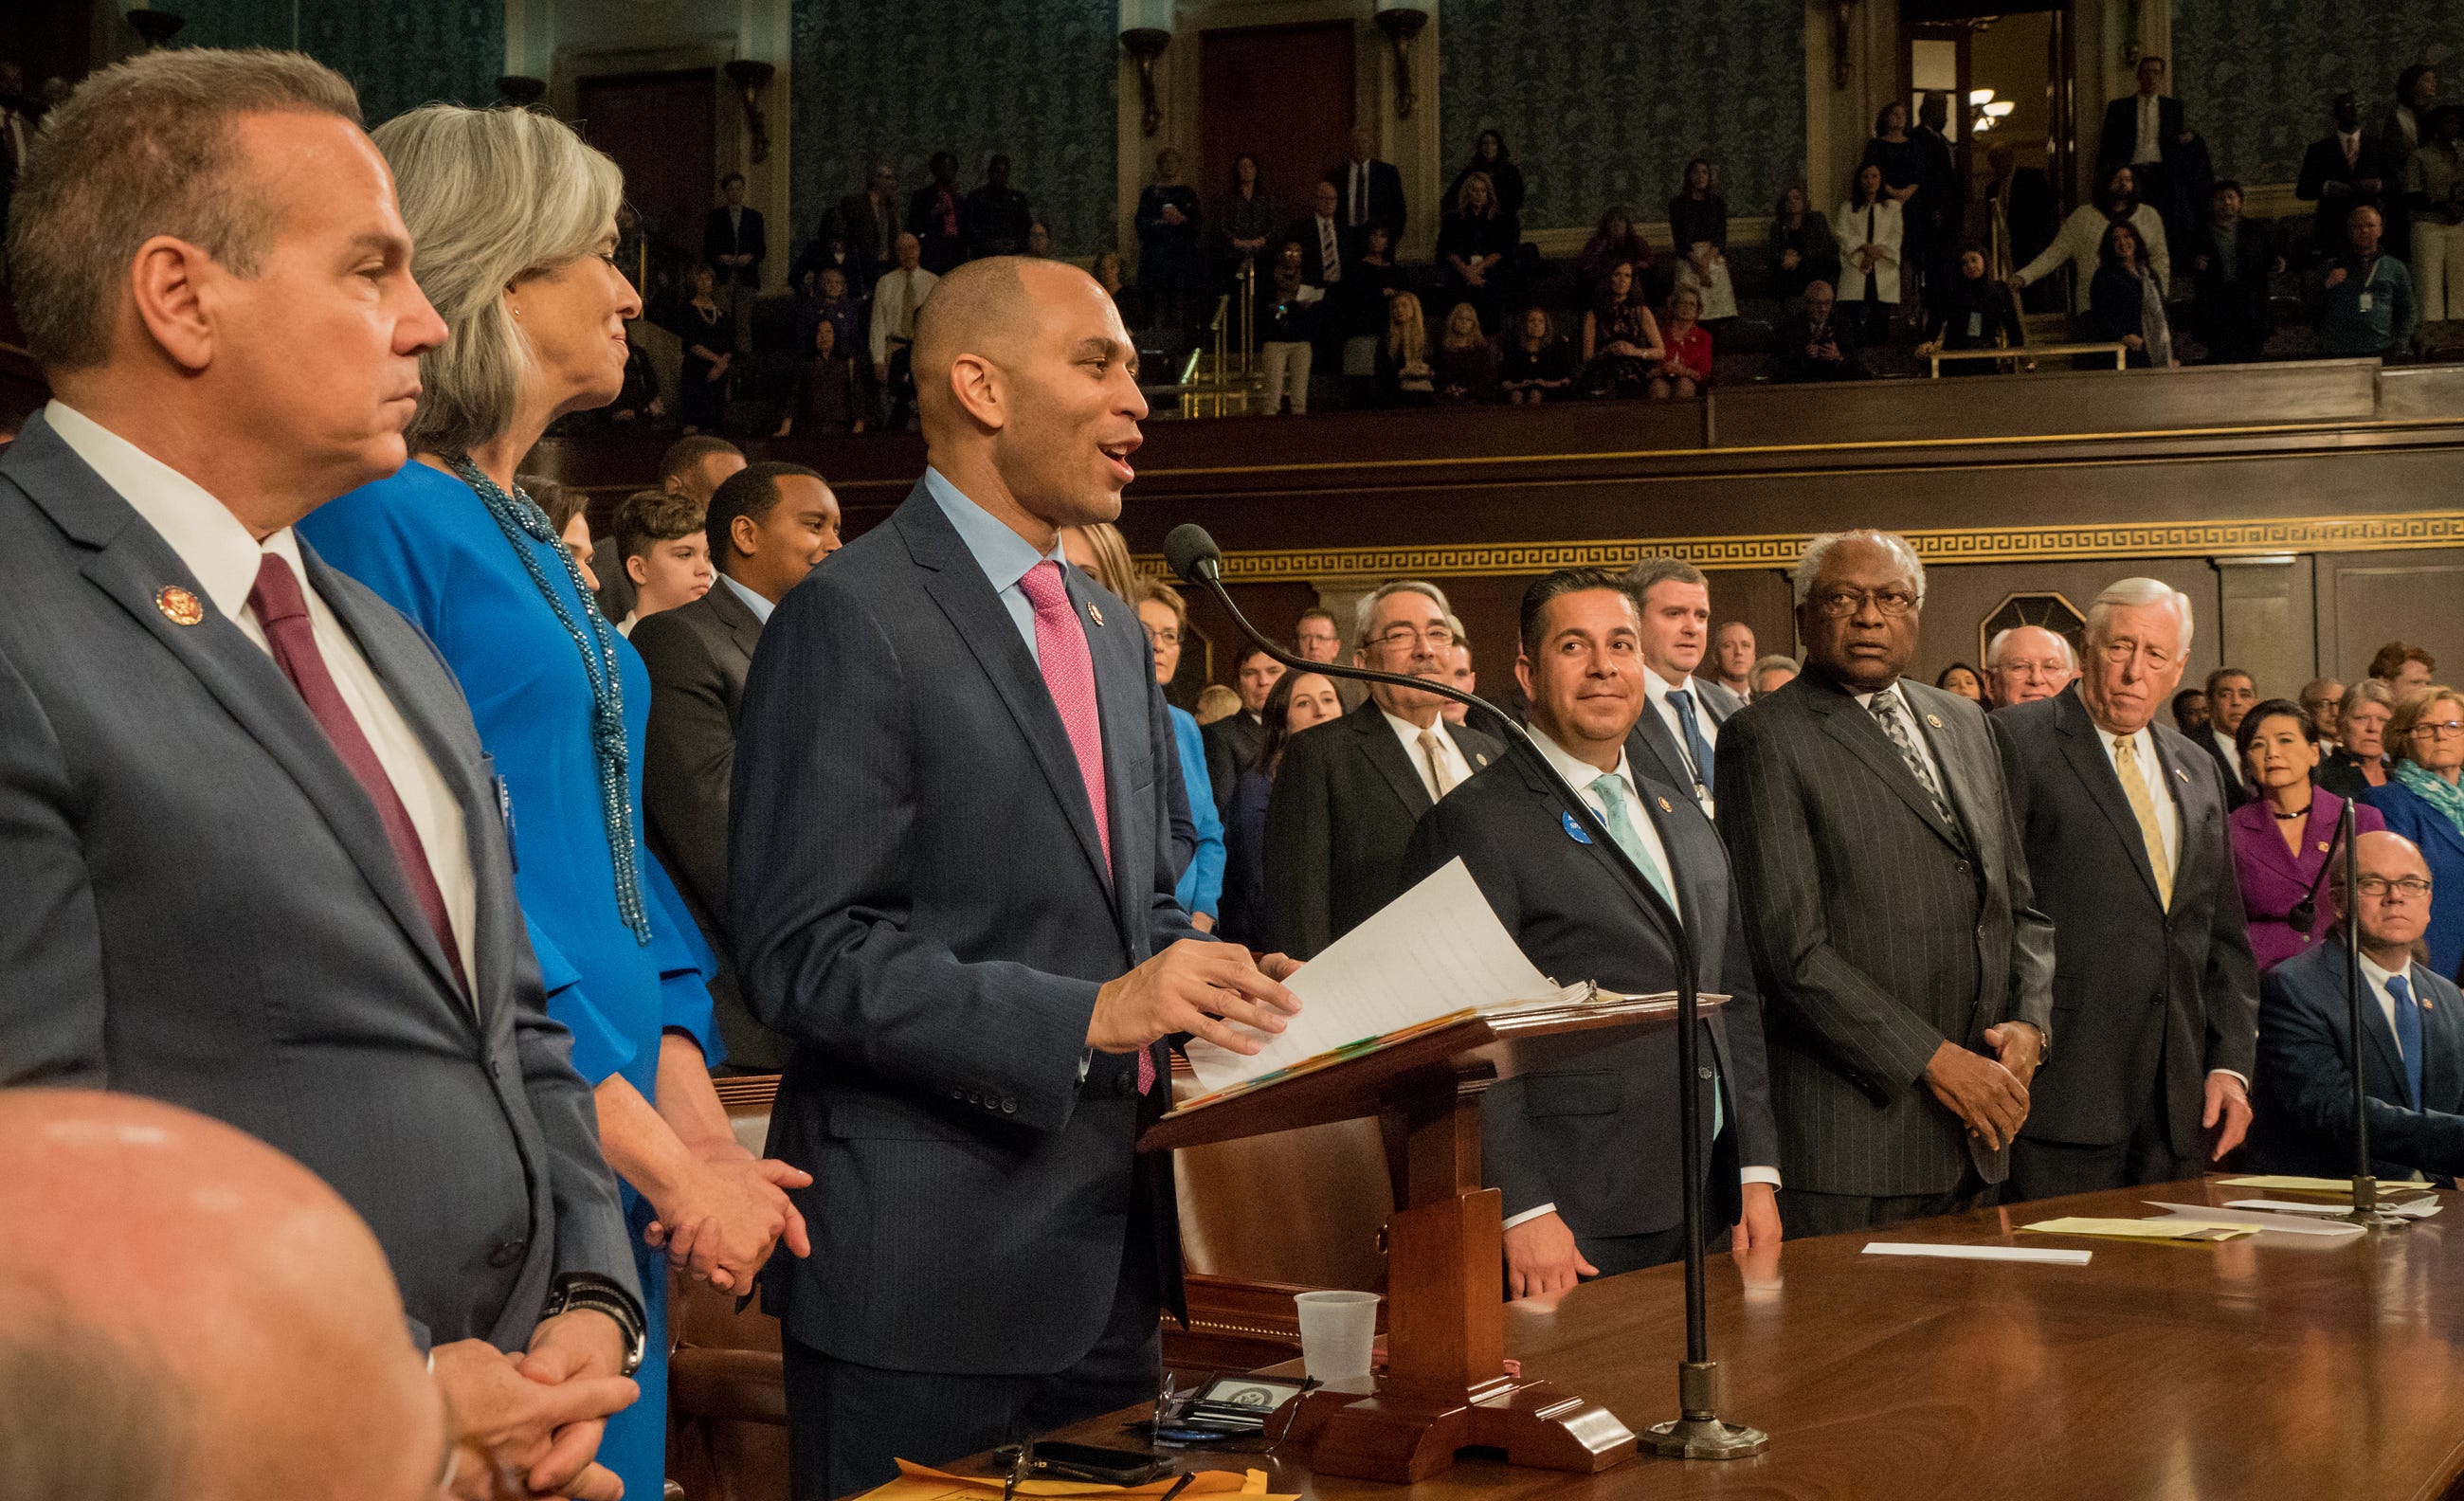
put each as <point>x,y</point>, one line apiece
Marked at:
<point>1907,975</point>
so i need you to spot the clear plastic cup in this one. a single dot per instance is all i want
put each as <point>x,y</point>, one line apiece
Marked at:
<point>1336,1329</point>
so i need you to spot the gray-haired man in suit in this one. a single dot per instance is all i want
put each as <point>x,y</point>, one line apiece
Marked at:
<point>254,853</point>
<point>1906,972</point>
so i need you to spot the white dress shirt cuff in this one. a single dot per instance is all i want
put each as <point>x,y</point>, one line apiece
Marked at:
<point>2234,1073</point>
<point>1759,1175</point>
<point>1528,1214</point>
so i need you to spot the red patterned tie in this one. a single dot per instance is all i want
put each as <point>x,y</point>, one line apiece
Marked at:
<point>1069,676</point>
<point>283,611</point>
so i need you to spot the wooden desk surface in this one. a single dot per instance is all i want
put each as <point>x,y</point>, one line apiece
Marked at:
<point>2274,1366</point>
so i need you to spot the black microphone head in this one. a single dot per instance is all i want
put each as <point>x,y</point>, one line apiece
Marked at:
<point>1190,554</point>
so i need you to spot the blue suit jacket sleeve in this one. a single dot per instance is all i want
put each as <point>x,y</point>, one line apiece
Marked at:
<point>825,946</point>
<point>1200,889</point>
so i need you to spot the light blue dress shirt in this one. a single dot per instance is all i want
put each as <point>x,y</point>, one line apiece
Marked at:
<point>1002,554</point>
<point>752,597</point>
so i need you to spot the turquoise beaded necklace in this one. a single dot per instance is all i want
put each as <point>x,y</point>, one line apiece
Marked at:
<point>518,517</point>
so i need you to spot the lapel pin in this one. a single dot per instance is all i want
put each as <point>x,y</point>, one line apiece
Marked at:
<point>179,606</point>
<point>2323,847</point>
<point>1934,720</point>
<point>1663,806</point>
<point>1095,614</point>
<point>1480,758</point>
<point>1574,830</point>
<point>2184,774</point>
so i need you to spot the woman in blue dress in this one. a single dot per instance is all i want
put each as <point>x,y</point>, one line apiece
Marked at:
<point>514,223</point>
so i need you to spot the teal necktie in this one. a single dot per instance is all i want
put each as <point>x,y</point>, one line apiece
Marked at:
<point>1611,792</point>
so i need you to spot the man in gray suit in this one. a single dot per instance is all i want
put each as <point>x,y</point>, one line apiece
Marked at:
<point>1906,972</point>
<point>769,526</point>
<point>2126,835</point>
<point>1349,790</point>
<point>1678,732</point>
<point>252,851</point>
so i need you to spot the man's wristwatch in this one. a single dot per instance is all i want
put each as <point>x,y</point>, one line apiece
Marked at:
<point>587,1290</point>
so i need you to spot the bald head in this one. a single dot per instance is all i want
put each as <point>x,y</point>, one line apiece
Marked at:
<point>1026,382</point>
<point>168,1268</point>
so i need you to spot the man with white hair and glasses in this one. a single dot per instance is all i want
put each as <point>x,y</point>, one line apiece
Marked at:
<point>2155,999</point>
<point>2026,663</point>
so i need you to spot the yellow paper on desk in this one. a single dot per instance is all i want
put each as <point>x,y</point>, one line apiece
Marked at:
<point>2170,1229</point>
<point>2334,1187</point>
<point>916,1483</point>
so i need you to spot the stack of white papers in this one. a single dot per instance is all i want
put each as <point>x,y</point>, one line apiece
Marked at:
<point>1435,950</point>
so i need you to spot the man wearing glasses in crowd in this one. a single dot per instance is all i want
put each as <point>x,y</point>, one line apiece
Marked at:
<point>1348,791</point>
<point>2412,1062</point>
<point>2026,663</point>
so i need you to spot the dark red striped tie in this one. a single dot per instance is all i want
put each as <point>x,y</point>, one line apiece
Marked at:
<point>283,611</point>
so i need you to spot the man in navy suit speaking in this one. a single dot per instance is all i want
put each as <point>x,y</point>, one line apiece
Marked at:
<point>952,889</point>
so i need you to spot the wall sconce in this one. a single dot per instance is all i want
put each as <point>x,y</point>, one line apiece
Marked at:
<point>1840,10</point>
<point>520,92</point>
<point>1146,43</point>
<point>753,76</point>
<point>1401,24</point>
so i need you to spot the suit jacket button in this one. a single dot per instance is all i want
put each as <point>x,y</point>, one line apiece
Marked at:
<point>507,1253</point>
<point>1703,1074</point>
<point>958,1093</point>
<point>1010,1106</point>
<point>1126,1085</point>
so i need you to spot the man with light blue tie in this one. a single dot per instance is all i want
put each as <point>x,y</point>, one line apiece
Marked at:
<point>1587,1153</point>
<point>2413,1064</point>
<point>1681,732</point>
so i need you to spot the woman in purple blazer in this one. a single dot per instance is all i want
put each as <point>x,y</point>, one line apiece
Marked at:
<point>2281,842</point>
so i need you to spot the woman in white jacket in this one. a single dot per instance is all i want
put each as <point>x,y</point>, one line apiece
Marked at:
<point>2082,237</point>
<point>1869,229</point>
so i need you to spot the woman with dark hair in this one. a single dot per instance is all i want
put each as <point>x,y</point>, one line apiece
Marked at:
<point>1536,366</point>
<point>2124,302</point>
<point>1472,247</point>
<point>1621,345</point>
<point>1871,230</point>
<point>1976,313</point>
<point>2405,126</point>
<point>2082,237</point>
<point>1171,255</point>
<point>1296,702</point>
<point>1615,240</point>
<point>1802,246</point>
<point>1245,219</point>
<point>1963,680</point>
<point>1488,155</point>
<point>1899,155</point>
<point>1698,226</point>
<point>1285,321</point>
<point>2282,840</point>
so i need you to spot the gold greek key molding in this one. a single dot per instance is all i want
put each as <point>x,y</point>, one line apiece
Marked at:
<point>2394,531</point>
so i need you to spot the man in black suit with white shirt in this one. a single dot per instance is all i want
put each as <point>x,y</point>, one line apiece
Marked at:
<point>1587,1152</point>
<point>1349,790</point>
<point>2155,997</point>
<point>768,526</point>
<point>1906,971</point>
<point>1678,733</point>
<point>1370,191</point>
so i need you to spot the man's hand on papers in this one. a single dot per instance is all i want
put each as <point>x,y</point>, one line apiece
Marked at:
<point>1194,987</point>
<point>1541,1258</point>
<point>1279,967</point>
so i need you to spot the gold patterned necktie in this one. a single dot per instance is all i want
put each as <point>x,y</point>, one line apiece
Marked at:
<point>1438,776</point>
<point>2143,806</point>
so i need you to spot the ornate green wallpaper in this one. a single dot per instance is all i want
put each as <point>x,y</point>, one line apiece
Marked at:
<point>2256,76</point>
<point>1604,101</point>
<point>398,54</point>
<point>883,78</point>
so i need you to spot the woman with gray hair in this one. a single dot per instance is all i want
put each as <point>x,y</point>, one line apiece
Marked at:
<point>2359,761</point>
<point>514,221</point>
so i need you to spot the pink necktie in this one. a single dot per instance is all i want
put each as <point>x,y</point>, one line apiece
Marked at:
<point>1069,676</point>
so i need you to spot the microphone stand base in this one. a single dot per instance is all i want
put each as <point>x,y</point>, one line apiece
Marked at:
<point>1703,1438</point>
<point>2375,1219</point>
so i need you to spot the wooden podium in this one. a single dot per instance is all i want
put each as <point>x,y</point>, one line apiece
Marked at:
<point>1445,1385</point>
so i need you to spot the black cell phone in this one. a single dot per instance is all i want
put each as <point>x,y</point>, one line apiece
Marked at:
<point>1107,1467</point>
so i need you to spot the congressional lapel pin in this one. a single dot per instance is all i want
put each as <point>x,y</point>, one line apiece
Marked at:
<point>1480,758</point>
<point>1934,720</point>
<point>1574,830</point>
<point>2323,847</point>
<point>1663,806</point>
<point>1095,614</point>
<point>179,606</point>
